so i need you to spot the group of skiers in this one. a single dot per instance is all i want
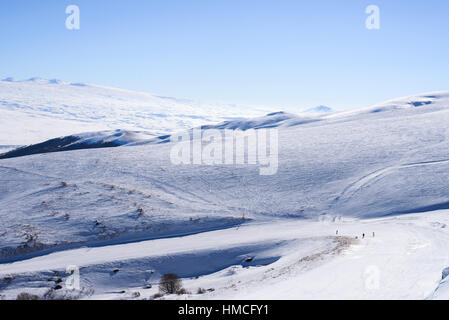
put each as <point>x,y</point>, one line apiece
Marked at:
<point>363,235</point>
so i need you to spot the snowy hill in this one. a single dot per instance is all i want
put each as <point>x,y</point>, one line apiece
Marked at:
<point>381,171</point>
<point>107,139</point>
<point>332,164</point>
<point>319,109</point>
<point>91,140</point>
<point>35,110</point>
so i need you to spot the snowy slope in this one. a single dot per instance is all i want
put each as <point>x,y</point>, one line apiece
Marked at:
<point>381,169</point>
<point>35,110</point>
<point>90,140</point>
<point>116,138</point>
<point>289,260</point>
<point>368,165</point>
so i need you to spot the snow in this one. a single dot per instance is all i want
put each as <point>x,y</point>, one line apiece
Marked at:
<point>292,260</point>
<point>382,170</point>
<point>36,109</point>
<point>120,137</point>
<point>320,109</point>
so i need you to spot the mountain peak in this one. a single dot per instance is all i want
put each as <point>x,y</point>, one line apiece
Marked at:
<point>319,109</point>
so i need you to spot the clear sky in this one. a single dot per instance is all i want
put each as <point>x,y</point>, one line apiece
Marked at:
<point>283,53</point>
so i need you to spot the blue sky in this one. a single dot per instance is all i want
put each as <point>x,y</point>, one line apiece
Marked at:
<point>288,54</point>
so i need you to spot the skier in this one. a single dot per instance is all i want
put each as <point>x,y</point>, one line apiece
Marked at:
<point>336,232</point>
<point>374,234</point>
<point>363,236</point>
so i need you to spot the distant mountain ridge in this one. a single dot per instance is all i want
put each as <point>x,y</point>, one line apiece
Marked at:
<point>35,110</point>
<point>319,109</point>
<point>280,119</point>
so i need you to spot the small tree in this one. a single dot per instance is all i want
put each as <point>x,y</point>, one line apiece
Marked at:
<point>27,296</point>
<point>170,284</point>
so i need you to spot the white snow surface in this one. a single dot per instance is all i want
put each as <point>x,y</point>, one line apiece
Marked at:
<point>127,215</point>
<point>35,110</point>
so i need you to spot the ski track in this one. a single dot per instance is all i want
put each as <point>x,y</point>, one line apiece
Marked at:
<point>354,187</point>
<point>28,172</point>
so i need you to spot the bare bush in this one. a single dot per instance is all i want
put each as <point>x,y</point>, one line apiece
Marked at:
<point>201,291</point>
<point>157,296</point>
<point>49,295</point>
<point>140,212</point>
<point>170,284</point>
<point>182,291</point>
<point>27,296</point>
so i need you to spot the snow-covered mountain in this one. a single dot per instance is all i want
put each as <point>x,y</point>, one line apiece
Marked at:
<point>127,215</point>
<point>90,140</point>
<point>319,109</point>
<point>116,138</point>
<point>35,110</point>
<point>119,137</point>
